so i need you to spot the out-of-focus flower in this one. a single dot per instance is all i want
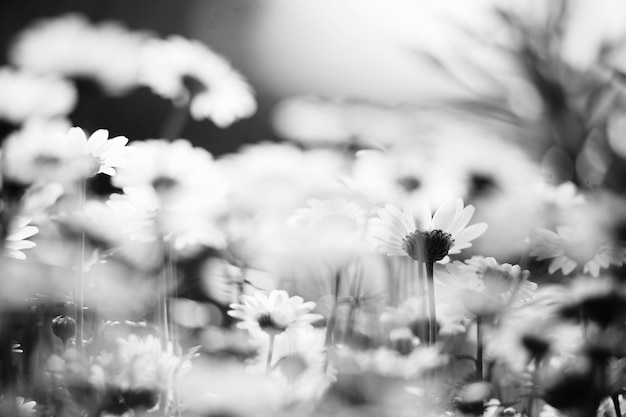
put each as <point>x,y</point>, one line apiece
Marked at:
<point>71,46</point>
<point>391,363</point>
<point>25,408</point>
<point>298,359</point>
<point>489,286</point>
<point>184,177</point>
<point>224,388</point>
<point>413,313</point>
<point>273,314</point>
<point>187,190</point>
<point>224,97</point>
<point>108,153</point>
<point>327,232</point>
<point>601,301</point>
<point>26,96</point>
<point>532,333</point>
<point>41,152</point>
<point>280,177</point>
<point>136,364</point>
<point>16,240</point>
<point>427,237</point>
<point>569,247</point>
<point>587,235</point>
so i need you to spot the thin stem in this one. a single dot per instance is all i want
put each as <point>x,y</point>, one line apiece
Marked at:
<point>175,121</point>
<point>432,316</point>
<point>616,405</point>
<point>332,319</point>
<point>533,386</point>
<point>270,351</point>
<point>79,296</point>
<point>479,349</point>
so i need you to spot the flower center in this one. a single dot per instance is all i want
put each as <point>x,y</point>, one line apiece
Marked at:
<point>409,183</point>
<point>496,281</point>
<point>163,184</point>
<point>47,160</point>
<point>430,246</point>
<point>269,325</point>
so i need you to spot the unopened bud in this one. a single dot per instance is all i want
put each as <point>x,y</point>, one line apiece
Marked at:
<point>63,327</point>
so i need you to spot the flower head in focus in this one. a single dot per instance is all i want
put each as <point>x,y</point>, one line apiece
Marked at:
<point>17,238</point>
<point>273,314</point>
<point>108,153</point>
<point>427,237</point>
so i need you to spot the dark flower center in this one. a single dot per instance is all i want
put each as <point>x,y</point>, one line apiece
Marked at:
<point>430,246</point>
<point>268,324</point>
<point>409,183</point>
<point>496,281</point>
<point>47,160</point>
<point>164,184</point>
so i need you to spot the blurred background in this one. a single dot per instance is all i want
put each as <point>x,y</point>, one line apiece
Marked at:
<point>330,49</point>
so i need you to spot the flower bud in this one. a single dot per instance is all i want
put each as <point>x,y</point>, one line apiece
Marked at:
<point>63,327</point>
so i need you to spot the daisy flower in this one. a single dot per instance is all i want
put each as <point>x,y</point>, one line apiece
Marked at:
<point>71,46</point>
<point>108,153</point>
<point>498,280</point>
<point>570,247</point>
<point>135,364</point>
<point>41,152</point>
<point>329,231</point>
<point>28,96</point>
<point>224,96</point>
<point>483,286</point>
<point>16,240</point>
<point>427,237</point>
<point>268,177</point>
<point>184,177</point>
<point>273,314</point>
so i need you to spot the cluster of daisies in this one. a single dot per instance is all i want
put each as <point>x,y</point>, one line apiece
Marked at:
<point>451,274</point>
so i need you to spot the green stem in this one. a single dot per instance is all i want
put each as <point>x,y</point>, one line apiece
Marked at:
<point>432,316</point>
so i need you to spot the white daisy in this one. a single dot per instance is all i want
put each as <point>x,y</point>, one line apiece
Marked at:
<point>483,286</point>
<point>225,95</point>
<point>280,177</point>
<point>498,178</point>
<point>108,153</point>
<point>26,96</point>
<point>570,247</point>
<point>390,363</point>
<point>70,45</point>
<point>135,364</point>
<point>41,152</point>
<point>16,240</point>
<point>427,237</point>
<point>273,314</point>
<point>184,177</point>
